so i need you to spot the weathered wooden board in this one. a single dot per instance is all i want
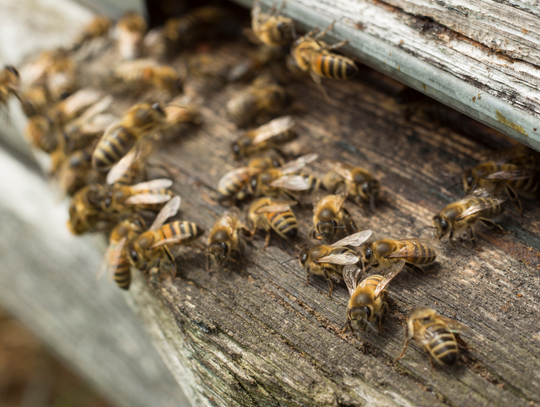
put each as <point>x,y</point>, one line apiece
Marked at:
<point>258,336</point>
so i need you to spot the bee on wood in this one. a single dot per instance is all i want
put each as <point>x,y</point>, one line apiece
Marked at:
<point>368,303</point>
<point>61,77</point>
<point>438,335</point>
<point>85,212</point>
<point>272,28</point>
<point>233,185</point>
<point>226,241</point>
<point>97,28</point>
<point>384,253</point>
<point>271,135</point>
<point>283,181</point>
<point>76,171</point>
<point>116,261</point>
<point>9,84</point>
<point>261,97</point>
<point>146,73</point>
<point>314,56</point>
<point>267,214</point>
<point>462,215</point>
<point>35,100</point>
<point>329,215</point>
<point>151,253</point>
<point>329,260</point>
<point>359,183</point>
<point>130,31</point>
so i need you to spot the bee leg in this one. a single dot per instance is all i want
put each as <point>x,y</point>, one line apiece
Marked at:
<point>329,282</point>
<point>461,343</point>
<point>318,81</point>
<point>405,345</point>
<point>473,240</point>
<point>491,224</point>
<point>347,326</point>
<point>307,278</point>
<point>514,198</point>
<point>334,46</point>
<point>324,32</point>
<point>267,240</point>
<point>431,361</point>
<point>418,269</point>
<point>451,238</point>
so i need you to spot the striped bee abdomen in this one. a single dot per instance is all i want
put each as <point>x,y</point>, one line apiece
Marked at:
<point>112,147</point>
<point>419,253</point>
<point>334,66</point>
<point>170,230</point>
<point>122,275</point>
<point>442,346</point>
<point>284,223</point>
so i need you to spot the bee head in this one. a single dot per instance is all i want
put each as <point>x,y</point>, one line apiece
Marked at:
<point>368,253</point>
<point>369,189</point>
<point>441,226</point>
<point>136,259</point>
<point>359,316</point>
<point>237,150</point>
<point>219,251</point>
<point>468,181</point>
<point>304,257</point>
<point>327,229</point>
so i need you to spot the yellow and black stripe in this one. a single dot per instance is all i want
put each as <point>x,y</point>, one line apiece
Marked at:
<point>488,213</point>
<point>418,252</point>
<point>122,275</point>
<point>334,66</point>
<point>442,346</point>
<point>172,229</point>
<point>112,147</point>
<point>283,223</point>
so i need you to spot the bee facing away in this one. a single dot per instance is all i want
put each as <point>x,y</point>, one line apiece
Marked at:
<point>116,262</point>
<point>9,83</point>
<point>329,215</point>
<point>269,215</point>
<point>329,260</point>
<point>314,56</point>
<point>35,100</point>
<point>438,335</point>
<point>233,185</point>
<point>261,97</point>
<point>271,135</point>
<point>129,31</point>
<point>359,183</point>
<point>368,303</point>
<point>61,77</point>
<point>150,252</point>
<point>137,122</point>
<point>462,215</point>
<point>384,253</point>
<point>272,28</point>
<point>98,27</point>
<point>76,172</point>
<point>226,240</point>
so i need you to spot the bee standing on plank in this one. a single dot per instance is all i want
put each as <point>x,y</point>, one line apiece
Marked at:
<point>226,241</point>
<point>269,215</point>
<point>437,335</point>
<point>368,303</point>
<point>272,28</point>
<point>329,260</point>
<point>329,215</point>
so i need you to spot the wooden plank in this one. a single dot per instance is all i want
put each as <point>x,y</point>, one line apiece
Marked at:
<point>494,89</point>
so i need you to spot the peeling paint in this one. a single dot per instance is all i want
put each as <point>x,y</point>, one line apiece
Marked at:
<point>512,125</point>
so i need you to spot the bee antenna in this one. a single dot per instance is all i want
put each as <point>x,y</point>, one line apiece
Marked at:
<point>426,227</point>
<point>286,261</point>
<point>453,186</point>
<point>399,315</point>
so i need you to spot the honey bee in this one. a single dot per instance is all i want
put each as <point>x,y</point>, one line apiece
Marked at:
<point>438,335</point>
<point>137,122</point>
<point>329,260</point>
<point>384,253</point>
<point>359,183</point>
<point>130,31</point>
<point>314,56</point>
<point>150,252</point>
<point>98,27</point>
<point>61,77</point>
<point>116,262</point>
<point>261,97</point>
<point>35,100</point>
<point>76,172</point>
<point>9,83</point>
<point>226,240</point>
<point>186,30</point>
<point>462,215</point>
<point>368,303</point>
<point>269,215</point>
<point>271,135</point>
<point>329,215</point>
<point>146,73</point>
<point>272,28</point>
<point>233,185</point>
<point>85,212</point>
<point>283,180</point>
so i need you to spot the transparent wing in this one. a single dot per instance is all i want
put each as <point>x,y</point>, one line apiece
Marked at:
<point>389,276</point>
<point>351,274</point>
<point>452,324</point>
<point>356,239</point>
<point>291,182</point>
<point>243,173</point>
<point>511,174</point>
<point>98,124</point>
<point>276,207</point>
<point>79,101</point>
<point>342,197</point>
<point>480,206</point>
<point>406,252</point>
<point>298,164</point>
<point>344,170</point>
<point>171,241</point>
<point>343,258</point>
<point>121,168</point>
<point>170,209</point>
<point>95,109</point>
<point>147,199</point>
<point>273,128</point>
<point>154,184</point>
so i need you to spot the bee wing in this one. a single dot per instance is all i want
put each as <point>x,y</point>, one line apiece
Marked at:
<point>95,109</point>
<point>298,164</point>
<point>242,172</point>
<point>80,100</point>
<point>98,124</point>
<point>519,173</point>
<point>404,252</point>
<point>147,199</point>
<point>277,207</point>
<point>171,241</point>
<point>273,128</point>
<point>356,239</point>
<point>453,325</point>
<point>121,168</point>
<point>482,192</point>
<point>344,170</point>
<point>170,209</point>
<point>351,274</point>
<point>480,206</point>
<point>342,258</point>
<point>342,197</point>
<point>389,276</point>
<point>154,184</point>
<point>291,182</point>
